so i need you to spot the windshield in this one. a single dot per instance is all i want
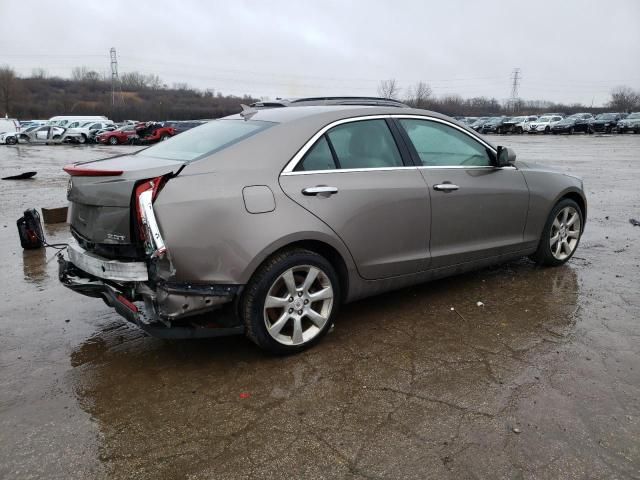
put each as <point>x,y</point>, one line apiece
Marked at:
<point>634,115</point>
<point>606,116</point>
<point>544,119</point>
<point>517,119</point>
<point>206,139</point>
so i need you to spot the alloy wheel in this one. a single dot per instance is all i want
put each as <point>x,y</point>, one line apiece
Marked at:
<point>298,305</point>
<point>565,233</point>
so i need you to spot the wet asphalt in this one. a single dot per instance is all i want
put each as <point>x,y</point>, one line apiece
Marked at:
<point>541,382</point>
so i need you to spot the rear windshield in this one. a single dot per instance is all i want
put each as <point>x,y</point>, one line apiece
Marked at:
<point>206,139</point>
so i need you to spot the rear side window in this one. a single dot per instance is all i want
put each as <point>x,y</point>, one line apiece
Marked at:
<point>361,144</point>
<point>318,158</point>
<point>441,145</point>
<point>364,144</point>
<point>206,139</point>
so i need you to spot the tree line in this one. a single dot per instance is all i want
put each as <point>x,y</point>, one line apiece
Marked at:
<point>138,96</point>
<point>146,97</point>
<point>420,95</point>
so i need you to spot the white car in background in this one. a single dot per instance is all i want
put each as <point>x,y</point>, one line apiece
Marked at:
<point>544,124</point>
<point>8,129</point>
<point>87,129</point>
<point>47,134</point>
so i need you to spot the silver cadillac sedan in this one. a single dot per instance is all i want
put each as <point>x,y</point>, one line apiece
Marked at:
<point>265,222</point>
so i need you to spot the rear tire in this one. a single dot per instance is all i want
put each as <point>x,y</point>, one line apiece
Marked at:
<point>164,137</point>
<point>290,302</point>
<point>561,234</point>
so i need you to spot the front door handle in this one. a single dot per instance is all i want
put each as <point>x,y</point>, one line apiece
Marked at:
<point>446,187</point>
<point>319,190</point>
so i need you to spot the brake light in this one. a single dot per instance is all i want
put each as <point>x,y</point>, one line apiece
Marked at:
<point>147,225</point>
<point>79,171</point>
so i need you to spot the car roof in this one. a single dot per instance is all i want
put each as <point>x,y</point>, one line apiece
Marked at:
<point>328,113</point>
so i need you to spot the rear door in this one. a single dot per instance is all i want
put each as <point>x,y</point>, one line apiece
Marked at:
<point>477,210</point>
<point>355,180</point>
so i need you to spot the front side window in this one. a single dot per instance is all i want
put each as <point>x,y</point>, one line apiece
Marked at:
<point>441,145</point>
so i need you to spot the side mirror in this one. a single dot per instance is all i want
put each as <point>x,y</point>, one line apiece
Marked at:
<point>505,157</point>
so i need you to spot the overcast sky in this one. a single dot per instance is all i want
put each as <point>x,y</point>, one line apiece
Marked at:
<point>569,50</point>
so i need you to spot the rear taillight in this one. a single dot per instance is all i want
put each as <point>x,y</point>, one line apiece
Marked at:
<point>79,171</point>
<point>146,223</point>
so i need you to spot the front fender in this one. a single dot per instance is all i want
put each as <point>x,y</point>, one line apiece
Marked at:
<point>545,190</point>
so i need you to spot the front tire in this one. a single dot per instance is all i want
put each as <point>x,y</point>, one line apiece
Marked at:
<point>291,301</point>
<point>12,140</point>
<point>113,141</point>
<point>561,234</point>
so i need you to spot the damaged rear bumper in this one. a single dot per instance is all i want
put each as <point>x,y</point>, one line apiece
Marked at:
<point>171,310</point>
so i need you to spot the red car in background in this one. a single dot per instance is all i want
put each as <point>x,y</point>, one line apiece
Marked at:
<point>152,132</point>
<point>118,136</point>
<point>141,133</point>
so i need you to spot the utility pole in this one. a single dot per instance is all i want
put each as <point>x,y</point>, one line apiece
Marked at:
<point>515,83</point>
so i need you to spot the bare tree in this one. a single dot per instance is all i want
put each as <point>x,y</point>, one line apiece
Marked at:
<point>418,95</point>
<point>389,89</point>
<point>7,87</point>
<point>624,99</point>
<point>39,73</point>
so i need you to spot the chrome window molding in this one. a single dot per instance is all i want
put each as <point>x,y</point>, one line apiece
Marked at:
<point>290,167</point>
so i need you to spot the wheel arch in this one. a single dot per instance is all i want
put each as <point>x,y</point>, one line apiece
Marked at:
<point>322,247</point>
<point>577,197</point>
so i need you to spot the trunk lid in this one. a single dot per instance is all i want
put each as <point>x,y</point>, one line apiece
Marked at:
<point>100,195</point>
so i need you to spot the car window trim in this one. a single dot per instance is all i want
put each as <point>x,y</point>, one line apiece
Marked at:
<point>300,154</point>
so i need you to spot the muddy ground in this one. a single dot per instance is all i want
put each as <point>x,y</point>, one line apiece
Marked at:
<point>542,382</point>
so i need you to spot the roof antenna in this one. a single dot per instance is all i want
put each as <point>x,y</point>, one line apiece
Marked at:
<point>247,112</point>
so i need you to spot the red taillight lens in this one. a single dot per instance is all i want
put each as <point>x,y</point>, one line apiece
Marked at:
<point>79,171</point>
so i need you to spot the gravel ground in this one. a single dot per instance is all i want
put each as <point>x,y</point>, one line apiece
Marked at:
<point>542,382</point>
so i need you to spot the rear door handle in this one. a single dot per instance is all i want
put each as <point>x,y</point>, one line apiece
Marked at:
<point>320,189</point>
<point>446,187</point>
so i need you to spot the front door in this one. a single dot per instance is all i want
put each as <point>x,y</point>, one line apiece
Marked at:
<point>354,179</point>
<point>477,210</point>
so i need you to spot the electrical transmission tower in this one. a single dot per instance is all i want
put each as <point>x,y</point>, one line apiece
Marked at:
<point>115,80</point>
<point>515,79</point>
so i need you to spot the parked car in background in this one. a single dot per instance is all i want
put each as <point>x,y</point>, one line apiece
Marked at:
<point>470,120</point>
<point>265,225</point>
<point>477,125</point>
<point>123,135</point>
<point>494,125</point>
<point>65,120</point>
<point>85,128</point>
<point>9,130</point>
<point>578,122</point>
<point>32,123</point>
<point>49,134</point>
<point>9,125</point>
<point>630,124</point>
<point>605,122</point>
<point>518,124</point>
<point>152,132</point>
<point>183,125</point>
<point>544,124</point>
